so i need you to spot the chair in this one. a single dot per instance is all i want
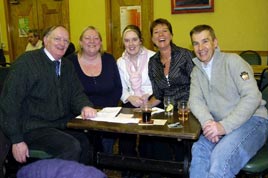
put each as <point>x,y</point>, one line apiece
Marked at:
<point>4,148</point>
<point>4,69</point>
<point>263,79</point>
<point>258,165</point>
<point>2,57</point>
<point>252,57</point>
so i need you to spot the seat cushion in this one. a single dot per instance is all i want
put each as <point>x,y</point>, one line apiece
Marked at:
<point>59,168</point>
<point>259,162</point>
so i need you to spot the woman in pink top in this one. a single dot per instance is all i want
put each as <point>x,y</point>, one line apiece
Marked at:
<point>137,88</point>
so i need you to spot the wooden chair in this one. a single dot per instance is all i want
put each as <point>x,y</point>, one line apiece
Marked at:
<point>258,165</point>
<point>252,57</point>
<point>4,69</point>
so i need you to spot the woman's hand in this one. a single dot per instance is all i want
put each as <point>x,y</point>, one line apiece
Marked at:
<point>135,100</point>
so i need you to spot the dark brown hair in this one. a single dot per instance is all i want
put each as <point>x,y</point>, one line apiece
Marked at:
<point>162,22</point>
<point>200,28</point>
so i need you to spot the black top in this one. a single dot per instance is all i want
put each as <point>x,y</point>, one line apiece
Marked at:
<point>178,82</point>
<point>104,90</point>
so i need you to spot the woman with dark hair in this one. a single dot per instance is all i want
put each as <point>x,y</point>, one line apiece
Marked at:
<point>169,72</point>
<point>170,67</point>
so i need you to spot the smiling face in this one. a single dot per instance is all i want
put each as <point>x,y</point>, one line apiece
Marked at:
<point>56,42</point>
<point>204,45</point>
<point>91,42</point>
<point>161,36</point>
<point>132,42</point>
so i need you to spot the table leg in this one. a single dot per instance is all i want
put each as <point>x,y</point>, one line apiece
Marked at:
<point>187,146</point>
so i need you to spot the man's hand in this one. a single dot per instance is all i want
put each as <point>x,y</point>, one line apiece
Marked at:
<point>213,131</point>
<point>88,112</point>
<point>20,152</point>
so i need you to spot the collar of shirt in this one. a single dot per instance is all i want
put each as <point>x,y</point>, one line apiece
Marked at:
<point>50,56</point>
<point>207,68</point>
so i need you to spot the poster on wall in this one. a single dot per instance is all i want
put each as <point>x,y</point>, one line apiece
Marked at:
<point>23,27</point>
<point>130,15</point>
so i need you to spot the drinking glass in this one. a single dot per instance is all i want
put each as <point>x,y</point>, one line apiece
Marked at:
<point>146,110</point>
<point>169,105</point>
<point>183,110</point>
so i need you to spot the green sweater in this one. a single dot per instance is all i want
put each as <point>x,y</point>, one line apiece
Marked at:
<point>34,97</point>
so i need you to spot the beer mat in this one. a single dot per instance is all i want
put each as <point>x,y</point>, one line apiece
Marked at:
<point>155,122</point>
<point>150,122</point>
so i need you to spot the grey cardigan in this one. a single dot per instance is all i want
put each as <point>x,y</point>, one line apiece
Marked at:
<point>230,97</point>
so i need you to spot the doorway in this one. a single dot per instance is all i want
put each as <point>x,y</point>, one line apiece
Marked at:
<point>22,15</point>
<point>120,13</point>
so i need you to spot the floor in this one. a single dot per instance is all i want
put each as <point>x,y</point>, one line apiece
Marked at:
<point>112,173</point>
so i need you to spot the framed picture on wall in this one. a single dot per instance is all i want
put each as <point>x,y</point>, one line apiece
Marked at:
<point>191,6</point>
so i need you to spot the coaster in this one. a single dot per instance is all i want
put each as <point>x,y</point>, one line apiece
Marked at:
<point>150,122</point>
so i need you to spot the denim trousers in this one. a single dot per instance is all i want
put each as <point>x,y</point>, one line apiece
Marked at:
<point>63,144</point>
<point>225,158</point>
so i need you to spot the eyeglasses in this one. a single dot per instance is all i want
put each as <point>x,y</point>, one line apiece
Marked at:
<point>58,40</point>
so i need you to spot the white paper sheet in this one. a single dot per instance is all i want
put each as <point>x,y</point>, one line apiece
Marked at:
<point>109,114</point>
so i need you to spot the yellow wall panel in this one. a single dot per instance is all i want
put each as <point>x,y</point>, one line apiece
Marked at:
<point>239,24</point>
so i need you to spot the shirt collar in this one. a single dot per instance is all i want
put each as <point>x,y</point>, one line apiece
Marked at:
<point>50,56</point>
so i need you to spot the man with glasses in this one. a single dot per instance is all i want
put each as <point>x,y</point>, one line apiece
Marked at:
<point>37,102</point>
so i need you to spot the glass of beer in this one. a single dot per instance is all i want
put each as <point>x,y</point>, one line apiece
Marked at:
<point>183,110</point>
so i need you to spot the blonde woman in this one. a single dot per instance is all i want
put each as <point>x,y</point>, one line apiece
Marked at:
<point>98,73</point>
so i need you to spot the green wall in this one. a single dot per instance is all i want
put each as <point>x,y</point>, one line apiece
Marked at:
<point>239,24</point>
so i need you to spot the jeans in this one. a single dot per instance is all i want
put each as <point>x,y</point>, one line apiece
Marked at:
<point>63,144</point>
<point>225,158</point>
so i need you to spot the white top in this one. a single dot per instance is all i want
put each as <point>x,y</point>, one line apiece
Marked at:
<point>30,47</point>
<point>146,85</point>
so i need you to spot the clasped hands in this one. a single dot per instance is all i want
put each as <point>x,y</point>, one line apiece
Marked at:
<point>137,101</point>
<point>213,131</point>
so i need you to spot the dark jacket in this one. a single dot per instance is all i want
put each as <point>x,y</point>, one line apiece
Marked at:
<point>34,97</point>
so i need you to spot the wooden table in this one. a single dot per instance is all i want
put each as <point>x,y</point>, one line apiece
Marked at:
<point>189,133</point>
